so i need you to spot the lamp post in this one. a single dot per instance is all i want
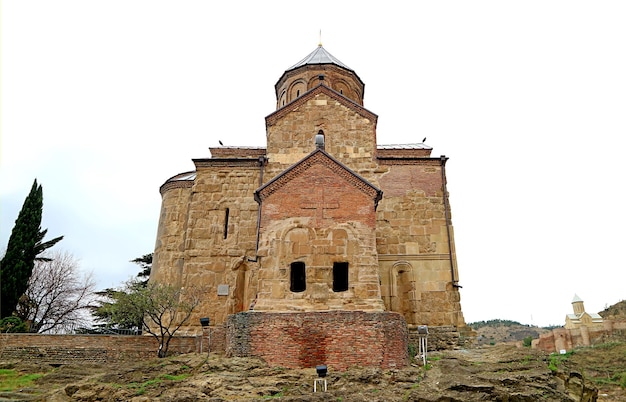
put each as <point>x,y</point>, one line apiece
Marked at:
<point>204,321</point>
<point>422,333</point>
<point>322,370</point>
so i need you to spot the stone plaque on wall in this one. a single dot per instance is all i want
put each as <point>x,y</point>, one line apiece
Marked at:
<point>222,290</point>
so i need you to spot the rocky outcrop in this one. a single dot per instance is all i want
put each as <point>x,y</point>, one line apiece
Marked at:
<point>500,373</point>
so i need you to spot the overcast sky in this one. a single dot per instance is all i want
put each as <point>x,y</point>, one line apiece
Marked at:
<point>102,101</point>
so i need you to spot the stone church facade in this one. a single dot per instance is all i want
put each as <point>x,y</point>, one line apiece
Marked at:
<point>322,222</point>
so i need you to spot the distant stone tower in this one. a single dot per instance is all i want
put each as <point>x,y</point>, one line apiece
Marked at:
<point>578,305</point>
<point>334,239</point>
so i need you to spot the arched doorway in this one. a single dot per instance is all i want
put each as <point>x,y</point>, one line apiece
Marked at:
<point>403,293</point>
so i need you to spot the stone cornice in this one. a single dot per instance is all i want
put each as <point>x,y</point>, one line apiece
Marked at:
<point>403,153</point>
<point>413,257</point>
<point>320,89</point>
<point>237,152</point>
<point>175,184</point>
<point>225,162</point>
<point>409,161</point>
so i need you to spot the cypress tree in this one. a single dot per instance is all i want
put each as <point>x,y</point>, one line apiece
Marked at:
<point>24,245</point>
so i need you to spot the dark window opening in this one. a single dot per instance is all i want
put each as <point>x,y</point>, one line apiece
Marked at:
<point>340,277</point>
<point>341,91</point>
<point>298,277</point>
<point>298,92</point>
<point>226,223</point>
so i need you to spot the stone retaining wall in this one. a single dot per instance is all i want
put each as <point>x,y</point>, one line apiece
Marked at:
<point>89,348</point>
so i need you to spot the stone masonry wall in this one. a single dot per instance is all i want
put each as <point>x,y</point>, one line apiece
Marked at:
<point>88,348</point>
<point>339,339</point>
<point>219,237</point>
<point>167,261</point>
<point>412,244</point>
<point>350,136</point>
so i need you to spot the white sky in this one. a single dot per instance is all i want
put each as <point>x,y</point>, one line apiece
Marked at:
<point>102,101</point>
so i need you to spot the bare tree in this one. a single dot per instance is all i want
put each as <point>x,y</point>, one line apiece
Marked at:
<point>58,295</point>
<point>161,309</point>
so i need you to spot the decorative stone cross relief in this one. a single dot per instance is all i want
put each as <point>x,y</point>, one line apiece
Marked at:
<point>322,200</point>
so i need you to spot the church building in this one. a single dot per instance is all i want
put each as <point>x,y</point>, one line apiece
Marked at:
<point>320,242</point>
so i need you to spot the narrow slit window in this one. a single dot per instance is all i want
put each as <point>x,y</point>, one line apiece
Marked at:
<point>298,277</point>
<point>340,277</point>
<point>298,92</point>
<point>226,222</point>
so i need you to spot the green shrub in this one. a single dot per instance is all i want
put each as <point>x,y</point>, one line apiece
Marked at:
<point>412,351</point>
<point>528,341</point>
<point>556,359</point>
<point>12,324</point>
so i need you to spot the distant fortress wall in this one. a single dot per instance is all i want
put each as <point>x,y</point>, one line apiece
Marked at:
<point>567,339</point>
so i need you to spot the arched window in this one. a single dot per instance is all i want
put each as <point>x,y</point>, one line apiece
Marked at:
<point>298,277</point>
<point>340,277</point>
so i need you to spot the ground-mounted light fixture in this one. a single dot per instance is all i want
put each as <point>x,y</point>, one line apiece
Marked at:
<point>422,334</point>
<point>322,370</point>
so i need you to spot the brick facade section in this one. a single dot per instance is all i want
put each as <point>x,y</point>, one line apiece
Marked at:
<point>339,339</point>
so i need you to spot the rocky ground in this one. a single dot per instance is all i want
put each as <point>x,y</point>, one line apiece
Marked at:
<point>490,373</point>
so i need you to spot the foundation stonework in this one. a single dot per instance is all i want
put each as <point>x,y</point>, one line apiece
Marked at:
<point>321,220</point>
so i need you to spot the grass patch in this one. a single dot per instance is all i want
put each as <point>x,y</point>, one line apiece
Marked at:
<point>10,380</point>
<point>556,359</point>
<point>141,387</point>
<point>276,395</point>
<point>178,377</point>
<point>407,394</point>
<point>607,345</point>
<point>618,379</point>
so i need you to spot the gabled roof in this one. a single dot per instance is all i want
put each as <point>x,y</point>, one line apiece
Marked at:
<point>319,156</point>
<point>576,317</point>
<point>319,56</point>
<point>321,88</point>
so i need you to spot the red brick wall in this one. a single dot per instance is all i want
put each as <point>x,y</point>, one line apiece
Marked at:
<point>404,178</point>
<point>321,194</point>
<point>339,339</point>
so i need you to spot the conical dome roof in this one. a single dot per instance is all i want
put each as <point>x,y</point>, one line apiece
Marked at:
<point>319,56</point>
<point>318,68</point>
